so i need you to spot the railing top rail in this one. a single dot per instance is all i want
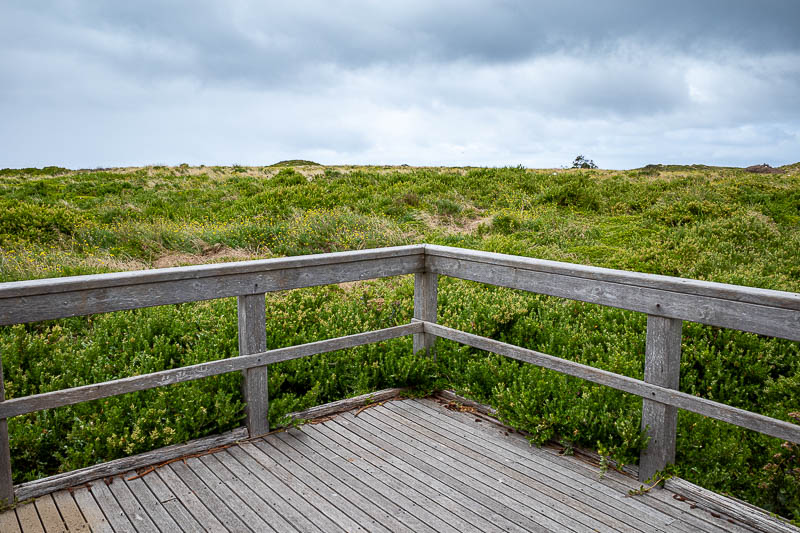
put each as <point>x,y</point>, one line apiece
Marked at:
<point>725,291</point>
<point>15,289</point>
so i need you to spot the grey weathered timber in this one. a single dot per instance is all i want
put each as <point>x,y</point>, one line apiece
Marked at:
<point>426,291</point>
<point>319,411</point>
<point>662,364</point>
<point>49,515</point>
<point>479,407</point>
<point>9,522</point>
<point>6,481</point>
<point>48,400</point>
<point>32,489</point>
<point>736,509</point>
<point>29,518</point>
<point>725,291</point>
<point>777,317</point>
<point>91,510</point>
<point>732,415</point>
<point>30,301</point>
<point>70,512</point>
<point>253,339</point>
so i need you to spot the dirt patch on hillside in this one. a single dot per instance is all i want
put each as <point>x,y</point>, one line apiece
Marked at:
<point>217,253</point>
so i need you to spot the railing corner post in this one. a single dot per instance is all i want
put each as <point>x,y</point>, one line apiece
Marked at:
<point>661,367</point>
<point>426,294</point>
<point>253,339</point>
<point>6,479</point>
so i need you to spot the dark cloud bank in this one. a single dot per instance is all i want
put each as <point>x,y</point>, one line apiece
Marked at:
<point>627,83</point>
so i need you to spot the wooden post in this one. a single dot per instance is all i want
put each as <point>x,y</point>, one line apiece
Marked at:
<point>253,339</point>
<point>426,292</point>
<point>662,364</point>
<point>6,481</point>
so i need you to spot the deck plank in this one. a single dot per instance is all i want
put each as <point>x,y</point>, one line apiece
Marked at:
<point>366,514</point>
<point>189,499</point>
<point>133,509</point>
<point>90,509</point>
<point>439,487</point>
<point>154,509</point>
<point>237,506</point>
<point>527,492</point>
<point>70,512</point>
<point>9,522</point>
<point>171,503</point>
<point>49,515</point>
<point>401,466</point>
<point>612,487</point>
<point>391,514</point>
<point>215,505</point>
<point>29,519</point>
<point>419,517</point>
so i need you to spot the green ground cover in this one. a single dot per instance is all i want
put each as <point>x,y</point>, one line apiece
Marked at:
<point>716,224</point>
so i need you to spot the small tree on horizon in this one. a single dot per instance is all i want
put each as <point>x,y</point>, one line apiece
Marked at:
<point>582,162</point>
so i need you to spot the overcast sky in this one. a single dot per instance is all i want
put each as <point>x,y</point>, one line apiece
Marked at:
<point>93,83</point>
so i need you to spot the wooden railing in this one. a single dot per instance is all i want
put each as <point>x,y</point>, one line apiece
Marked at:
<point>666,300</point>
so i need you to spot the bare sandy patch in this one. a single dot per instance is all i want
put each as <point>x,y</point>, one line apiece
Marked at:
<point>217,253</point>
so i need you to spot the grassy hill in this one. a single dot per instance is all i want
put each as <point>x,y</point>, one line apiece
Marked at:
<point>719,224</point>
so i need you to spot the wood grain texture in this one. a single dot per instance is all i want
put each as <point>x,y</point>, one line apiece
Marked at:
<point>773,320</point>
<point>91,511</point>
<point>38,402</point>
<point>738,293</point>
<point>69,510</point>
<point>33,489</point>
<point>347,404</point>
<point>49,515</point>
<point>662,364</point>
<point>740,417</point>
<point>426,294</point>
<point>736,509</point>
<point>30,301</point>
<point>6,480</point>
<point>253,339</point>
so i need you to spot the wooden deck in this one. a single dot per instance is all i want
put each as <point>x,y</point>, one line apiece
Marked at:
<point>410,465</point>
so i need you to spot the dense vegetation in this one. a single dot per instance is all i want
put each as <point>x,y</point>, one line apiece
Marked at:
<point>699,222</point>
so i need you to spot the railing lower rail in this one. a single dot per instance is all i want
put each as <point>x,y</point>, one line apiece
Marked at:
<point>667,301</point>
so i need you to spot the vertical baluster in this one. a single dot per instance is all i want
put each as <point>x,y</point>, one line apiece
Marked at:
<point>6,481</point>
<point>253,339</point>
<point>426,292</point>
<point>661,367</point>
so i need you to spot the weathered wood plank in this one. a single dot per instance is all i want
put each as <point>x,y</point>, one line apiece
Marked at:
<point>148,502</point>
<point>662,364</point>
<point>49,515</point>
<point>245,493</point>
<point>362,511</point>
<point>732,415</point>
<point>69,512</point>
<point>171,503</point>
<point>550,499</point>
<point>481,511</point>
<point>9,522</point>
<point>611,488</point>
<point>347,404</point>
<point>300,501</point>
<point>253,339</point>
<point>736,509</point>
<point>190,500</point>
<point>391,515</point>
<point>281,501</point>
<point>48,400</point>
<point>548,511</point>
<point>787,300</point>
<point>305,485</point>
<point>133,509</point>
<point>33,489</point>
<point>773,320</point>
<point>419,517</point>
<point>111,509</point>
<point>29,518</point>
<point>232,501</point>
<point>31,301</point>
<point>444,515</point>
<point>91,511</point>
<point>426,294</point>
